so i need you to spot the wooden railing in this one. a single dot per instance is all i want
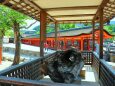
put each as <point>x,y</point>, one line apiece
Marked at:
<point>29,70</point>
<point>96,63</point>
<point>106,75</point>
<point>28,74</point>
<point>88,57</point>
<point>24,73</point>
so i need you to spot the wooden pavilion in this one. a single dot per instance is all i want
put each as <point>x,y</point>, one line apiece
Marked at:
<point>61,11</point>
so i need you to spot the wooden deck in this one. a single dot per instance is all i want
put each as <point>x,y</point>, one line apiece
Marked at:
<point>88,81</point>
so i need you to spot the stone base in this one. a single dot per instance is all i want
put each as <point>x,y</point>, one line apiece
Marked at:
<point>77,81</point>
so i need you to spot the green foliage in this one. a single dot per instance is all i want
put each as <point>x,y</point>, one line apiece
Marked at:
<point>110,29</point>
<point>49,29</point>
<point>87,24</point>
<point>16,16</point>
<point>37,28</point>
<point>9,33</point>
<point>4,20</point>
<point>66,26</point>
<point>7,18</point>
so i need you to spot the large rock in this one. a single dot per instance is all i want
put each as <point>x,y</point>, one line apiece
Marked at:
<point>66,66</point>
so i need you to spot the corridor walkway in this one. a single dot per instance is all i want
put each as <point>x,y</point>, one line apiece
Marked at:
<point>89,79</point>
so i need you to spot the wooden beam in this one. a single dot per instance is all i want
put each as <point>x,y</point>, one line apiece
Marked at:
<point>5,2</point>
<point>30,2</point>
<point>93,35</point>
<point>56,35</point>
<point>77,15</point>
<point>74,20</point>
<point>40,9</point>
<point>101,34</point>
<point>43,23</point>
<point>72,8</point>
<point>103,4</point>
<point>15,5</point>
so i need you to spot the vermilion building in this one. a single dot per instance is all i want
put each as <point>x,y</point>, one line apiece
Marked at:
<point>79,38</point>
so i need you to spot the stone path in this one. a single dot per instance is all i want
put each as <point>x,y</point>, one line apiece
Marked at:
<point>5,64</point>
<point>28,49</point>
<point>28,52</point>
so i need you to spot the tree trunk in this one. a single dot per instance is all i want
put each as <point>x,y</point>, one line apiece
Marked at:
<point>17,43</point>
<point>1,44</point>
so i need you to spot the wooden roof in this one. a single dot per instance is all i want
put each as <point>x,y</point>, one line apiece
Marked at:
<point>64,11</point>
<point>86,32</point>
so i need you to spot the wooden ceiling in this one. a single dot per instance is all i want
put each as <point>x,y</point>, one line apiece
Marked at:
<point>64,11</point>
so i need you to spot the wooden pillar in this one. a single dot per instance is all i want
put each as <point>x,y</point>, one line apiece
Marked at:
<point>43,17</point>
<point>101,34</point>
<point>56,35</point>
<point>93,35</point>
<point>82,44</point>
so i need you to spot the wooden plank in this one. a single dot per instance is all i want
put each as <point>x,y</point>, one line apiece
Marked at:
<point>71,8</point>
<point>77,15</point>
<point>43,23</point>
<point>10,81</point>
<point>74,20</point>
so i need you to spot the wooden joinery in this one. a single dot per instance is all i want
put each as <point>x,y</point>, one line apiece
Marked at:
<point>43,16</point>
<point>103,4</point>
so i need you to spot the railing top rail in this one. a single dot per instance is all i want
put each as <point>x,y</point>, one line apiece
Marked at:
<point>25,82</point>
<point>12,68</point>
<point>110,69</point>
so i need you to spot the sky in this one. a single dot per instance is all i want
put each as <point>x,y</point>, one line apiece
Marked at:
<point>32,21</point>
<point>113,19</point>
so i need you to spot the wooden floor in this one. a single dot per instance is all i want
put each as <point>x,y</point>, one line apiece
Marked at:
<point>88,81</point>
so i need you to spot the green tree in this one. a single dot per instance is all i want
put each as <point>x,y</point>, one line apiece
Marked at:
<point>66,26</point>
<point>9,33</point>
<point>110,29</point>
<point>17,20</point>
<point>4,24</point>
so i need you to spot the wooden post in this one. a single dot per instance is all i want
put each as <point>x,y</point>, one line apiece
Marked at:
<point>56,30</point>
<point>101,34</point>
<point>93,34</point>
<point>43,16</point>
<point>82,45</point>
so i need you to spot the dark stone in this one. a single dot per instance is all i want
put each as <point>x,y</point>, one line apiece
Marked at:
<point>66,66</point>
